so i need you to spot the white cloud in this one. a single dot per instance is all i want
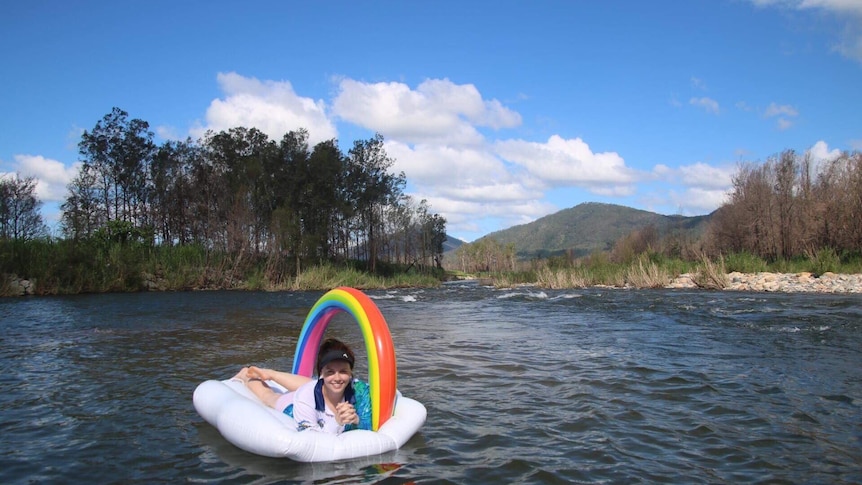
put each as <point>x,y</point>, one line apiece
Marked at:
<point>833,6</point>
<point>432,132</point>
<point>699,200</point>
<point>820,154</point>
<point>848,13</point>
<point>708,104</point>
<point>840,6</point>
<point>473,217</point>
<point>429,164</point>
<point>783,111</point>
<point>562,162</point>
<point>167,133</point>
<point>437,111</point>
<point>850,45</point>
<point>698,175</point>
<point>270,106</point>
<point>780,110</point>
<point>51,176</point>
<point>614,190</point>
<point>468,185</point>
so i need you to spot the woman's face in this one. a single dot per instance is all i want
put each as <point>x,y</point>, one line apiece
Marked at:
<point>336,375</point>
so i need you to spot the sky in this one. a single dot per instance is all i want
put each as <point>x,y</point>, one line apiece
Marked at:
<point>498,112</point>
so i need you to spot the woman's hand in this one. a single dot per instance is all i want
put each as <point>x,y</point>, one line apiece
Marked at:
<point>345,413</point>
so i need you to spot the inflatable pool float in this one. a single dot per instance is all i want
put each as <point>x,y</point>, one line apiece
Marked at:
<point>249,424</point>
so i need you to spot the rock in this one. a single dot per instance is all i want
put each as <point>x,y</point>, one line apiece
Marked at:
<point>20,286</point>
<point>783,282</point>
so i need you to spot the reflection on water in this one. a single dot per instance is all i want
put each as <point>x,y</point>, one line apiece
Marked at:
<point>521,385</point>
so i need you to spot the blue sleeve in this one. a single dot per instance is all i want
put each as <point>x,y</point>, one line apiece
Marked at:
<point>362,406</point>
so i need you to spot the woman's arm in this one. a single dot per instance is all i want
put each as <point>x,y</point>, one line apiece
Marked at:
<point>291,382</point>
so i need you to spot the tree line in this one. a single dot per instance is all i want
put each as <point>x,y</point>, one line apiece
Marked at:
<point>240,193</point>
<point>790,206</point>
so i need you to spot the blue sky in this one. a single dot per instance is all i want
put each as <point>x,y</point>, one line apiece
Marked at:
<point>499,112</point>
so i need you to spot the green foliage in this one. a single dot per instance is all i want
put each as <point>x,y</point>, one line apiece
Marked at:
<point>98,266</point>
<point>744,262</point>
<point>793,265</point>
<point>123,232</point>
<point>851,263</point>
<point>825,260</point>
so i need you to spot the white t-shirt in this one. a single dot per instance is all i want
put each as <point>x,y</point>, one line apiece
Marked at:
<point>308,418</point>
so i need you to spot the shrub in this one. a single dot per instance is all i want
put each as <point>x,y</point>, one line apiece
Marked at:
<point>711,275</point>
<point>743,262</point>
<point>646,274</point>
<point>824,260</point>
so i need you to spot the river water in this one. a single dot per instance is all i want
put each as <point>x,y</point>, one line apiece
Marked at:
<point>521,386</point>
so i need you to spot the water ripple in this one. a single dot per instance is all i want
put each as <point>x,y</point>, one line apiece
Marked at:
<point>521,386</point>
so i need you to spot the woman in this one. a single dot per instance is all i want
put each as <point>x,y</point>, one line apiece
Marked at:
<point>328,404</point>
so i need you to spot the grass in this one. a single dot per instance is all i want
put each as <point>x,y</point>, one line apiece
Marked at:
<point>65,267</point>
<point>654,271</point>
<point>711,275</point>
<point>646,274</point>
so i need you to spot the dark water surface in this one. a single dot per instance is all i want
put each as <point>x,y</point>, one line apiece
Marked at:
<point>521,386</point>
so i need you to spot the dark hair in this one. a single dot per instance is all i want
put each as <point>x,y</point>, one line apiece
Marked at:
<point>334,349</point>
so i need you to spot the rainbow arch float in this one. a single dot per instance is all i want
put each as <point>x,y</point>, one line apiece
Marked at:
<point>382,374</point>
<point>249,424</point>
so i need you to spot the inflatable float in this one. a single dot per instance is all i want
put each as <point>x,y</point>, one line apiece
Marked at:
<point>246,422</point>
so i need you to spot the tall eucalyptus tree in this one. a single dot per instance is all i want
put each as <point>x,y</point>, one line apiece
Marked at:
<point>19,209</point>
<point>372,187</point>
<point>119,151</point>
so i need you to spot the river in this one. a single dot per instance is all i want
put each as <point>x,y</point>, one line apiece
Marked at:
<point>521,386</point>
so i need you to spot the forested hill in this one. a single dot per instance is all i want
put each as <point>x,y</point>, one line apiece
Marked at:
<point>589,227</point>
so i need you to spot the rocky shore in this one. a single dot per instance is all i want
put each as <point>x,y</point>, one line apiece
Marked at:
<point>765,282</point>
<point>782,282</point>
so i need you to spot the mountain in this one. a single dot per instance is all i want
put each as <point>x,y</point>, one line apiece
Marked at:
<point>451,243</point>
<point>588,227</point>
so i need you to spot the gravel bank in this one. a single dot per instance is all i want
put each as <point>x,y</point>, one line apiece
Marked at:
<point>783,282</point>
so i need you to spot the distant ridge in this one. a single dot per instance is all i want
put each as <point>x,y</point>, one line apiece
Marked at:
<point>451,243</point>
<point>589,227</point>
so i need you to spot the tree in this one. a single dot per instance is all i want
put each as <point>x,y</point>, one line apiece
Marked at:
<point>323,186</point>
<point>438,237</point>
<point>287,218</point>
<point>786,177</point>
<point>371,188</point>
<point>83,213</point>
<point>118,151</point>
<point>790,206</point>
<point>19,209</point>
<point>239,192</point>
<point>172,194</point>
<point>237,158</point>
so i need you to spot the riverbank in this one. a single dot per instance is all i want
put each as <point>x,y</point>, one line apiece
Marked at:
<point>782,282</point>
<point>735,281</point>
